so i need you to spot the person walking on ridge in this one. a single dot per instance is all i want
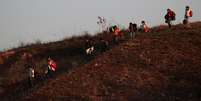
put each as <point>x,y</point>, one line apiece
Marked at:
<point>144,27</point>
<point>132,29</point>
<point>188,14</point>
<point>169,17</point>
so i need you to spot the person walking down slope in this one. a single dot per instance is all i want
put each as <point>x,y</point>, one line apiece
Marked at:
<point>144,27</point>
<point>31,76</point>
<point>132,29</point>
<point>29,66</point>
<point>116,34</point>
<point>52,66</point>
<point>188,14</point>
<point>169,17</point>
<point>89,47</point>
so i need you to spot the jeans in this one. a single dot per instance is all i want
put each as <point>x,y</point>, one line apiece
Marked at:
<point>132,34</point>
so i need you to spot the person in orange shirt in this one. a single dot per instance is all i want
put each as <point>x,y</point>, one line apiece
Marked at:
<point>188,14</point>
<point>144,27</point>
<point>115,33</point>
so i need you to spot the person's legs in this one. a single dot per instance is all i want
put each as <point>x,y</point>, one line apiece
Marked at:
<point>134,34</point>
<point>131,34</point>
<point>169,24</point>
<point>187,22</point>
<point>49,73</point>
<point>30,81</point>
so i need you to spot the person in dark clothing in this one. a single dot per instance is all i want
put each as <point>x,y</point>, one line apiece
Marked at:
<point>29,65</point>
<point>169,17</point>
<point>132,29</point>
<point>103,45</point>
<point>89,47</point>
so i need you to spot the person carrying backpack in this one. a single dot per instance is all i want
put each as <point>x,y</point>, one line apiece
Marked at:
<point>29,66</point>
<point>169,17</point>
<point>144,27</point>
<point>52,67</point>
<point>188,14</point>
<point>132,29</point>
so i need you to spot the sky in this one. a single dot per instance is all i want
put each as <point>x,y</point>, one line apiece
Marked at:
<point>26,21</point>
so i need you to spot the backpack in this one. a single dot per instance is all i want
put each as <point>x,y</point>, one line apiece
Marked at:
<point>166,17</point>
<point>191,13</point>
<point>52,65</point>
<point>173,17</point>
<point>135,27</point>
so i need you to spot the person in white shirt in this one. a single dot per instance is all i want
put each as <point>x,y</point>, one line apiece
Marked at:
<point>188,14</point>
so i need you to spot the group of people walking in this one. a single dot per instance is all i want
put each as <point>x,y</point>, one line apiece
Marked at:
<point>171,16</point>
<point>31,68</point>
<point>133,28</point>
<point>116,33</point>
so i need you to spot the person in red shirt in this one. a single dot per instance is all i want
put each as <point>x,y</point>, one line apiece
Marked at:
<point>169,17</point>
<point>52,67</point>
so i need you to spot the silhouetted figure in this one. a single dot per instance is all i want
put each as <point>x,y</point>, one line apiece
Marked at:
<point>103,45</point>
<point>132,29</point>
<point>29,65</point>
<point>169,17</point>
<point>188,14</point>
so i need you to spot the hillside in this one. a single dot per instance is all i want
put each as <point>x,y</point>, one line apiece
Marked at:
<point>163,65</point>
<point>68,54</point>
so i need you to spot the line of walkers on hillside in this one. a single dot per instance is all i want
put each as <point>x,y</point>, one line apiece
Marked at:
<point>103,45</point>
<point>133,29</point>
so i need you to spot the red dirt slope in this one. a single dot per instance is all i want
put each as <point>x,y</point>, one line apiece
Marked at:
<point>163,65</point>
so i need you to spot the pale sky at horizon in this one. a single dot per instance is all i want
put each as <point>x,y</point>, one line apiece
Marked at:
<point>49,20</point>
